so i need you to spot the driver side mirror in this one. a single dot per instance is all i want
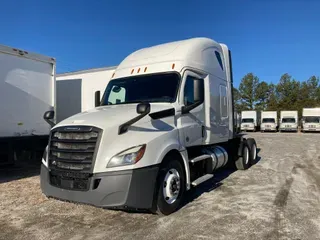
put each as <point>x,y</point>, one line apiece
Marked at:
<point>48,117</point>
<point>198,90</point>
<point>97,98</point>
<point>197,98</point>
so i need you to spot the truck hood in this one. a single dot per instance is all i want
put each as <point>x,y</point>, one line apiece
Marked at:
<point>110,116</point>
<point>154,133</point>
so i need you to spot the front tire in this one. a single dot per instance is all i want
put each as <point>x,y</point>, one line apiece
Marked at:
<point>171,186</point>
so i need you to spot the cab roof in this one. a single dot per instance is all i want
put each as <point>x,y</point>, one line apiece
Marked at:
<point>194,52</point>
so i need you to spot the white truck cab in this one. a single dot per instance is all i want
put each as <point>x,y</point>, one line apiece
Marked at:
<point>311,119</point>
<point>269,121</point>
<point>250,120</point>
<point>164,124</point>
<point>288,121</point>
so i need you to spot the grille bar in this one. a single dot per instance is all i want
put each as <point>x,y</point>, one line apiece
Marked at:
<point>55,149</point>
<point>73,141</point>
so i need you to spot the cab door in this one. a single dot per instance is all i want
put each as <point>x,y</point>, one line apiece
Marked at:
<point>192,118</point>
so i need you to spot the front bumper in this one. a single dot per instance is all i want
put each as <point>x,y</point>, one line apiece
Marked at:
<point>311,129</point>
<point>263,128</point>
<point>288,129</point>
<point>119,189</point>
<point>247,128</point>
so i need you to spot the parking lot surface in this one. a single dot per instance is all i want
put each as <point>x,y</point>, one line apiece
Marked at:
<point>278,198</point>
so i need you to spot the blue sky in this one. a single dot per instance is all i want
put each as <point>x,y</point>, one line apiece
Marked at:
<point>267,37</point>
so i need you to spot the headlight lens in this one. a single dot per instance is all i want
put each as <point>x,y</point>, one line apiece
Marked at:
<point>45,157</point>
<point>127,157</point>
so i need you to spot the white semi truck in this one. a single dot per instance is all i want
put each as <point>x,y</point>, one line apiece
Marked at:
<point>76,90</point>
<point>269,121</point>
<point>250,120</point>
<point>27,89</point>
<point>288,121</point>
<point>311,119</point>
<point>164,124</point>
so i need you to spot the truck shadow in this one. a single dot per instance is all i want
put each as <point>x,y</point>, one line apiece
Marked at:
<point>212,184</point>
<point>21,169</point>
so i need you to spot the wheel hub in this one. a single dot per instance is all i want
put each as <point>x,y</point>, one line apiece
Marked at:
<point>171,186</point>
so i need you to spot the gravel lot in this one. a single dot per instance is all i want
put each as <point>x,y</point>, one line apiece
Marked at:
<point>278,198</point>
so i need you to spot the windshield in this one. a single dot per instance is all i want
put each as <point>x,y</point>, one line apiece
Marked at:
<point>268,120</point>
<point>288,120</point>
<point>247,120</point>
<point>312,119</point>
<point>147,88</point>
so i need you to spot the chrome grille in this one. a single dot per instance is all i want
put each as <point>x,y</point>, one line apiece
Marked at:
<point>73,148</point>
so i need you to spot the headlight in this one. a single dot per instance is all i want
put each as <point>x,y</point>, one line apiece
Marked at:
<point>127,157</point>
<point>45,157</point>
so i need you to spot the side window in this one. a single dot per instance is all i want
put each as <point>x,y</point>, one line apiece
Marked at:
<point>219,59</point>
<point>223,101</point>
<point>117,95</point>
<point>193,91</point>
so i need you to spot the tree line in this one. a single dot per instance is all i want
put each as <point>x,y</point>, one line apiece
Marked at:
<point>287,94</point>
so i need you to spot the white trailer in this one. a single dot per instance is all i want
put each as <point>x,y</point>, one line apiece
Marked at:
<point>76,90</point>
<point>27,89</point>
<point>311,119</point>
<point>269,121</point>
<point>165,123</point>
<point>288,121</point>
<point>250,120</point>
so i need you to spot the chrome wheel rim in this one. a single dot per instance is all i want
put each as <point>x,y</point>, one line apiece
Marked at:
<point>171,186</point>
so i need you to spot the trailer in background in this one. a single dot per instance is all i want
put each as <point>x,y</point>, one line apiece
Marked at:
<point>288,121</point>
<point>311,119</point>
<point>269,121</point>
<point>27,90</point>
<point>250,120</point>
<point>76,90</point>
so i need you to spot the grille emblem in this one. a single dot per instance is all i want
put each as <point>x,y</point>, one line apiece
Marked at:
<point>72,129</point>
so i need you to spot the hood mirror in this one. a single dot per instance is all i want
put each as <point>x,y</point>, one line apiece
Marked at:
<point>143,108</point>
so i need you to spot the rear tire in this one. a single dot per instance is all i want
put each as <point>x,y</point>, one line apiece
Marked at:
<point>170,186</point>
<point>243,162</point>
<point>253,150</point>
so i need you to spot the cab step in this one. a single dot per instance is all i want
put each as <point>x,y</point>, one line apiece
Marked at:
<point>201,179</point>
<point>200,158</point>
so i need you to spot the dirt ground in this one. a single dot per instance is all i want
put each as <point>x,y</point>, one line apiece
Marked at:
<point>278,198</point>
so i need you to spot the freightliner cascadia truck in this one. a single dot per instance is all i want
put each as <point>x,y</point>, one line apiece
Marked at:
<point>164,124</point>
